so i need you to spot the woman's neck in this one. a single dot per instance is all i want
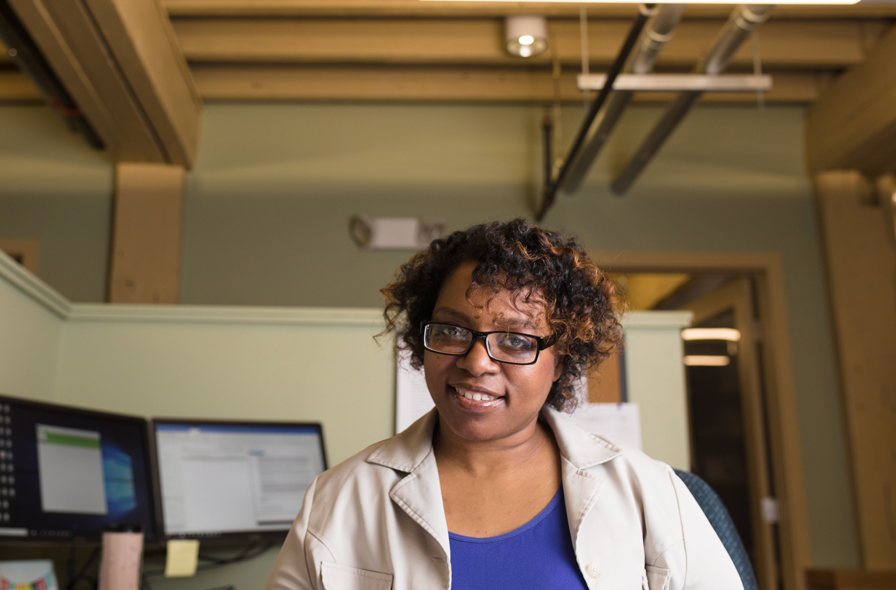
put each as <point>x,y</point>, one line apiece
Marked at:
<point>492,458</point>
<point>492,487</point>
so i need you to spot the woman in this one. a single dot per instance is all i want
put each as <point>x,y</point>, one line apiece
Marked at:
<point>495,488</point>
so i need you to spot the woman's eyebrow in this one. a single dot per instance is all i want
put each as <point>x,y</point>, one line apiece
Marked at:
<point>505,322</point>
<point>451,312</point>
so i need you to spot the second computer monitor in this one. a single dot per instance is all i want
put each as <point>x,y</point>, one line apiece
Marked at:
<point>224,480</point>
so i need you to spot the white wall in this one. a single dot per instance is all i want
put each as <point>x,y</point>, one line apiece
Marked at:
<point>31,318</point>
<point>238,363</point>
<point>655,380</point>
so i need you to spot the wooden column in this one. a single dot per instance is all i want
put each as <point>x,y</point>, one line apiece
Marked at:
<point>148,228</point>
<point>860,253</point>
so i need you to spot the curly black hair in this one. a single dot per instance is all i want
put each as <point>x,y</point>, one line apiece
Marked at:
<point>582,306</point>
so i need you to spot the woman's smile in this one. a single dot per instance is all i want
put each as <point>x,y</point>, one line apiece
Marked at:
<point>476,400</point>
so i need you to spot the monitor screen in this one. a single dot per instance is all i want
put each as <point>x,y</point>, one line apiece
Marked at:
<point>66,473</point>
<point>226,480</point>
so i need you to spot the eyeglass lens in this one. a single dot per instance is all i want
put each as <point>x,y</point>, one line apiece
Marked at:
<point>501,346</point>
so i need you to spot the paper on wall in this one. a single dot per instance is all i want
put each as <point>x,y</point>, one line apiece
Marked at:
<point>619,421</point>
<point>412,398</point>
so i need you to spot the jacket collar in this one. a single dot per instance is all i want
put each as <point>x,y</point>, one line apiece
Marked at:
<point>581,448</point>
<point>419,493</point>
<point>409,448</point>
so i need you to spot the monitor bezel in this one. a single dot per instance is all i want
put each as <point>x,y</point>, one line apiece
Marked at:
<point>92,540</point>
<point>229,537</point>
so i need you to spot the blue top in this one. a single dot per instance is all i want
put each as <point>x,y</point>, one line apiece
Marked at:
<point>537,556</point>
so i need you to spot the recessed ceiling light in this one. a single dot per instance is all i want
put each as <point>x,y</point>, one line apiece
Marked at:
<point>525,36</point>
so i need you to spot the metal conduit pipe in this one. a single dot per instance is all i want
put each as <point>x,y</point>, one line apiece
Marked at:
<point>660,29</point>
<point>549,192</point>
<point>743,21</point>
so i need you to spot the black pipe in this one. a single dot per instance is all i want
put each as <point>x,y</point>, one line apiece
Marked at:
<point>741,23</point>
<point>550,189</point>
<point>30,60</point>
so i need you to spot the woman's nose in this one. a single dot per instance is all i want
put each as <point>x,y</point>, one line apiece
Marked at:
<point>477,361</point>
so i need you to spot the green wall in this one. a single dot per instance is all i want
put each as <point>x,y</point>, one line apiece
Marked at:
<point>55,188</point>
<point>269,200</point>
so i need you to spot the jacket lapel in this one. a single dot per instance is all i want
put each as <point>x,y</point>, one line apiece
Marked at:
<point>419,493</point>
<point>579,451</point>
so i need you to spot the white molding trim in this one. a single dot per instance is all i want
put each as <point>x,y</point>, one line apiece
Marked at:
<point>17,276</point>
<point>14,274</point>
<point>209,314</point>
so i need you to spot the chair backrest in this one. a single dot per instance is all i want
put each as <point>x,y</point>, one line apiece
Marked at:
<point>721,521</point>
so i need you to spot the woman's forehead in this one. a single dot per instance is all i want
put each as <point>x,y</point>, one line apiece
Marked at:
<point>460,296</point>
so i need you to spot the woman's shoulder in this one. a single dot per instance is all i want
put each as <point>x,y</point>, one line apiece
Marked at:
<point>382,463</point>
<point>590,450</point>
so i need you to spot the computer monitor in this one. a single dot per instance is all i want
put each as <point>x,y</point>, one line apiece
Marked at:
<point>231,481</point>
<point>66,473</point>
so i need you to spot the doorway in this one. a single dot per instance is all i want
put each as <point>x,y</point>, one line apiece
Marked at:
<point>739,393</point>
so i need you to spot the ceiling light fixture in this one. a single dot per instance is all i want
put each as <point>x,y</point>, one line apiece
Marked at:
<point>729,334</point>
<point>525,36</point>
<point>697,360</point>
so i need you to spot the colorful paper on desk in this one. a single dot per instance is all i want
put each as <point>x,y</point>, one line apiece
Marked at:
<point>34,574</point>
<point>182,558</point>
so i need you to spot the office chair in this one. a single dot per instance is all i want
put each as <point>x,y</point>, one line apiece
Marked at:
<point>721,521</point>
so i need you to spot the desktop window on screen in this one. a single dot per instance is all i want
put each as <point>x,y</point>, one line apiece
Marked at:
<point>218,479</point>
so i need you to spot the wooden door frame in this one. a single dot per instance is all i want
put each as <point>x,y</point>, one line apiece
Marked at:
<point>737,295</point>
<point>766,270</point>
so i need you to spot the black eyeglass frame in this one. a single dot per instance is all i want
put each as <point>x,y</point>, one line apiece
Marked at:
<point>542,342</point>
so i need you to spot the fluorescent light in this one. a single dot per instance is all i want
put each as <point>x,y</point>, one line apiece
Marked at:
<point>729,334</point>
<point>696,360</point>
<point>527,40</point>
<point>678,82</point>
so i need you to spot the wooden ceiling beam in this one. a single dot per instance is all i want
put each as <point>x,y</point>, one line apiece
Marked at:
<point>310,83</point>
<point>17,87</point>
<point>120,62</point>
<point>363,83</point>
<point>415,8</point>
<point>816,44</point>
<point>4,55</point>
<point>853,125</point>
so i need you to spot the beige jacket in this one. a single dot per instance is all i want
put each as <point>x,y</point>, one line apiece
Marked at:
<point>376,521</point>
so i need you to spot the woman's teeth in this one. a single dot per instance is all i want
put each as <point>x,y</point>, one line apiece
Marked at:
<point>476,397</point>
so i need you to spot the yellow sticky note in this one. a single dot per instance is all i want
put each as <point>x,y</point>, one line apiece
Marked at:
<point>183,555</point>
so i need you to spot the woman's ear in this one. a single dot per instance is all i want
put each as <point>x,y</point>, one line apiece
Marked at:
<point>558,368</point>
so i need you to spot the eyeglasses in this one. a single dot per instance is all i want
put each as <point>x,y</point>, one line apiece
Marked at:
<point>505,347</point>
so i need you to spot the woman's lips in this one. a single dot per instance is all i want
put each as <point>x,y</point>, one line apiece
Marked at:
<point>475,399</point>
